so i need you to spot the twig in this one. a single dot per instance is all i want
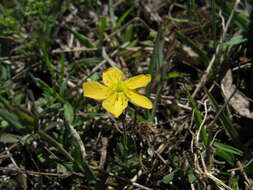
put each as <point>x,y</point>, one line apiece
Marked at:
<point>23,178</point>
<point>213,178</point>
<point>34,173</point>
<point>103,152</point>
<point>202,123</point>
<point>69,50</point>
<point>79,140</point>
<point>14,57</point>
<point>108,59</point>
<point>248,181</point>
<point>5,153</point>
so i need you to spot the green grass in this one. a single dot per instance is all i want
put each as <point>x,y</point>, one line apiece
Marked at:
<point>52,137</point>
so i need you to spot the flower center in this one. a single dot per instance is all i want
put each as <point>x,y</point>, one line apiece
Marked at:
<point>120,87</point>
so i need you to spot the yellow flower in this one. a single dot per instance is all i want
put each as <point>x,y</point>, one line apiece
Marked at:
<point>116,92</point>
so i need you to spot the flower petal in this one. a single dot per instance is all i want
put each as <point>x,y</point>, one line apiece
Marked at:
<point>139,99</point>
<point>116,104</point>
<point>95,90</point>
<point>138,81</point>
<point>111,76</point>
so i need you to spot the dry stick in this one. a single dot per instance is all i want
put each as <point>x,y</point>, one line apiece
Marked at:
<point>213,178</point>
<point>108,59</point>
<point>202,124</point>
<point>103,152</point>
<point>248,181</point>
<point>23,177</point>
<point>208,70</point>
<point>11,158</point>
<point>35,173</point>
<point>134,179</point>
<point>5,154</point>
<point>68,50</point>
<point>79,140</point>
<point>13,57</point>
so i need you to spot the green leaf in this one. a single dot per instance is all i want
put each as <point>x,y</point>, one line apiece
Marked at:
<point>128,34</point>
<point>62,67</point>
<point>11,118</point>
<point>101,27</point>
<point>174,75</point>
<point>5,87</point>
<point>68,113</point>
<point>172,19</point>
<point>156,70</point>
<point>234,41</point>
<point>191,177</point>
<point>123,17</point>
<point>157,55</point>
<point>9,138</point>
<point>168,178</point>
<point>4,124</point>
<point>4,73</point>
<point>92,61</point>
<point>25,117</point>
<point>47,59</point>
<point>94,77</point>
<point>121,149</point>
<point>63,87</point>
<point>18,97</point>
<point>62,169</point>
<point>235,182</point>
<point>83,39</point>
<point>228,148</point>
<point>226,156</point>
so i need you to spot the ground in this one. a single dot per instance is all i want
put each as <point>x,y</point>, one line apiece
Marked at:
<point>198,135</point>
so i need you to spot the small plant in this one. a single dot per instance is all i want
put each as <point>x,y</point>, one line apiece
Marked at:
<point>117,92</point>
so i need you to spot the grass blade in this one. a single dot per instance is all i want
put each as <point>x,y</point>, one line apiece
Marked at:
<point>123,17</point>
<point>83,39</point>
<point>228,148</point>
<point>226,156</point>
<point>223,118</point>
<point>68,113</point>
<point>44,86</point>
<point>102,27</point>
<point>198,119</point>
<point>11,118</point>
<point>202,54</point>
<point>155,69</point>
